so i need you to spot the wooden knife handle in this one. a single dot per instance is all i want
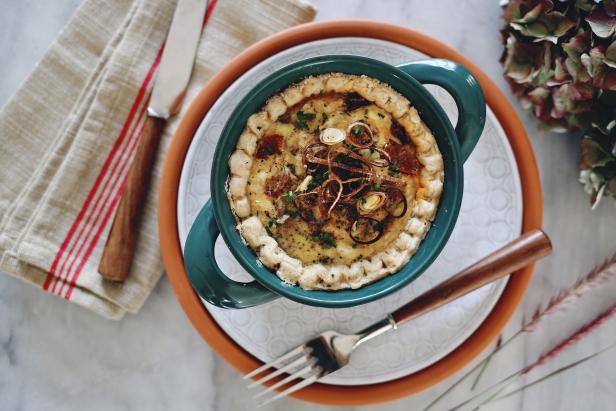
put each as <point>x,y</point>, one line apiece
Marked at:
<point>520,252</point>
<point>120,247</point>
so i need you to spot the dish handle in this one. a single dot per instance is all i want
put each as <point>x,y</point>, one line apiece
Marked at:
<point>465,90</point>
<point>206,276</point>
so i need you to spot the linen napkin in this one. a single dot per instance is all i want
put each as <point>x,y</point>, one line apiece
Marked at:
<point>68,135</point>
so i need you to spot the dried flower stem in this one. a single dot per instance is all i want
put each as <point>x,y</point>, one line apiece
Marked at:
<point>499,342</point>
<point>557,304</point>
<point>552,374</point>
<point>567,297</point>
<point>559,348</point>
<point>573,339</point>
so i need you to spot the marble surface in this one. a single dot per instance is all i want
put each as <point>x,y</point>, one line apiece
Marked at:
<point>54,355</point>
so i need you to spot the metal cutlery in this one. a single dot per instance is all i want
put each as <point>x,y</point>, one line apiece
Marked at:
<point>171,81</point>
<point>330,351</point>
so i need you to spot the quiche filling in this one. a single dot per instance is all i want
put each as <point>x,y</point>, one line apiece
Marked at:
<point>334,183</point>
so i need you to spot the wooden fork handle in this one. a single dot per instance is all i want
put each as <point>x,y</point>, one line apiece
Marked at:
<point>119,249</point>
<point>520,252</point>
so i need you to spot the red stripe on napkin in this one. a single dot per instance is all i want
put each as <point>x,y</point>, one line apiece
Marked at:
<point>112,206</point>
<point>94,194</point>
<point>110,201</point>
<point>117,178</point>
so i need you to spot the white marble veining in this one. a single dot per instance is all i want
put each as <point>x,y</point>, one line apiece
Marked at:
<point>54,355</point>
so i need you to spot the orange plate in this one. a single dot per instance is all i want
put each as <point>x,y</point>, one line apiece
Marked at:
<point>167,212</point>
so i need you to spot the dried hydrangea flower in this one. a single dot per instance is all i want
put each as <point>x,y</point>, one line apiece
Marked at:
<point>560,61</point>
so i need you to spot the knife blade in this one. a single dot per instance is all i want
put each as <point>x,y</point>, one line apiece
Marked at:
<point>174,72</point>
<point>177,59</point>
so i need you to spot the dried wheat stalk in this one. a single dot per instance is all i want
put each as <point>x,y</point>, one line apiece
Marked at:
<point>568,296</point>
<point>559,303</point>
<point>552,353</point>
<point>565,344</point>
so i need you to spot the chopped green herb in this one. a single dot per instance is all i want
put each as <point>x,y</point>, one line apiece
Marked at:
<point>376,186</point>
<point>302,117</point>
<point>289,196</point>
<point>325,239</point>
<point>321,91</point>
<point>393,170</point>
<point>366,111</point>
<point>349,146</point>
<point>291,168</point>
<point>323,117</point>
<point>381,115</point>
<point>356,130</point>
<point>292,213</point>
<point>306,116</point>
<point>272,222</point>
<point>317,130</point>
<point>317,179</point>
<point>322,177</point>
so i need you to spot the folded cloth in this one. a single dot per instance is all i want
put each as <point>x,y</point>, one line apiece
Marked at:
<point>68,135</point>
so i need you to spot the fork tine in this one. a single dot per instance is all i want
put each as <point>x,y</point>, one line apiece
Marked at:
<point>290,366</point>
<point>288,379</point>
<point>272,363</point>
<point>294,388</point>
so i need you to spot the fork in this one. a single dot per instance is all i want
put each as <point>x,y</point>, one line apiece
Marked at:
<point>331,350</point>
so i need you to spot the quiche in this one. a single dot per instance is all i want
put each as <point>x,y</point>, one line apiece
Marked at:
<point>335,182</point>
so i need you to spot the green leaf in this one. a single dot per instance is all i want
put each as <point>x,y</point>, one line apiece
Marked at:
<point>394,170</point>
<point>302,117</point>
<point>583,5</point>
<point>289,196</point>
<point>272,223</point>
<point>545,73</point>
<point>325,239</point>
<point>306,116</point>
<point>292,213</point>
<point>593,155</point>
<point>610,187</point>
<point>601,24</point>
<point>577,45</point>
<point>521,60</point>
<point>543,23</point>
<point>610,55</point>
<point>532,15</point>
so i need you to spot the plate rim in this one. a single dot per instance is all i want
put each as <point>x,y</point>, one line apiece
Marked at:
<point>171,252</point>
<point>200,135</point>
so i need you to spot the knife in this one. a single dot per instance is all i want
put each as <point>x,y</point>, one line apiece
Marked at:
<point>173,74</point>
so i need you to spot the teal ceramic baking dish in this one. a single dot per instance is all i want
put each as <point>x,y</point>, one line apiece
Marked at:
<point>455,145</point>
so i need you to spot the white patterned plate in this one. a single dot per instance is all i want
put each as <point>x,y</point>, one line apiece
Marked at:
<point>491,215</point>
